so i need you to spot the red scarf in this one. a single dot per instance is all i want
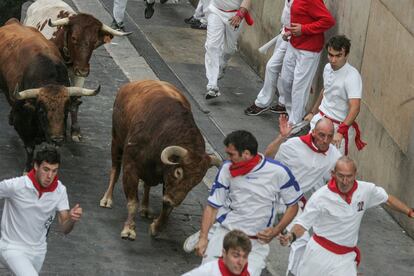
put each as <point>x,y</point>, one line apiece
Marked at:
<point>226,272</point>
<point>348,196</point>
<point>307,139</point>
<point>39,187</point>
<point>244,167</point>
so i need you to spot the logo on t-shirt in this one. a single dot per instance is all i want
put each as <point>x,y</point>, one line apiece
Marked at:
<point>360,206</point>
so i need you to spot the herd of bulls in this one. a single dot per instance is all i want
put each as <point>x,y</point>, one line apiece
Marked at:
<point>43,63</point>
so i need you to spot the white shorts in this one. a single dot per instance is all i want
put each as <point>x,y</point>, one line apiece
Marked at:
<point>22,260</point>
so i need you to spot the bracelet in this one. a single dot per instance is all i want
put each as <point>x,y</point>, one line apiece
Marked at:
<point>293,237</point>
<point>410,213</point>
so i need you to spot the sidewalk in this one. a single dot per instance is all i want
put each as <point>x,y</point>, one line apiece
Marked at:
<point>386,249</point>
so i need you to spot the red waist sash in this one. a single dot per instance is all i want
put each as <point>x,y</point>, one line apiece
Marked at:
<point>337,248</point>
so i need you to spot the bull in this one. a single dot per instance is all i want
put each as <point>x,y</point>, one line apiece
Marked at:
<point>35,82</point>
<point>155,139</point>
<point>76,35</point>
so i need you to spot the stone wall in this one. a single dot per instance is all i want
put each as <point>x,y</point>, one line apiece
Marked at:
<point>382,35</point>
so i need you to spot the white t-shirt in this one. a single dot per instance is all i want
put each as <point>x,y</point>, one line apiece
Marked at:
<point>339,87</point>
<point>227,5</point>
<point>26,217</point>
<point>311,169</point>
<point>250,198</point>
<point>334,219</point>
<point>207,269</point>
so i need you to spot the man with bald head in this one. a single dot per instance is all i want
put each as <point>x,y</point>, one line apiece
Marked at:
<point>311,158</point>
<point>334,212</point>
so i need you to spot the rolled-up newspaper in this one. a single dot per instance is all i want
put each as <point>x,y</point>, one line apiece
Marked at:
<point>267,45</point>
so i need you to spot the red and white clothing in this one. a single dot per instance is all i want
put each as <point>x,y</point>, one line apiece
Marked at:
<point>302,54</point>
<point>312,170</point>
<point>274,65</point>
<point>25,222</point>
<point>215,268</point>
<point>221,40</point>
<point>338,221</point>
<point>250,199</point>
<point>340,86</point>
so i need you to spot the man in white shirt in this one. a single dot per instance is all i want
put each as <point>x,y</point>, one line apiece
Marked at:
<point>311,159</point>
<point>273,68</point>
<point>236,249</point>
<point>334,212</point>
<point>30,205</point>
<point>248,185</point>
<point>340,99</point>
<point>224,24</point>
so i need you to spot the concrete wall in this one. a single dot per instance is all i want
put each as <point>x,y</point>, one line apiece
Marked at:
<point>382,35</point>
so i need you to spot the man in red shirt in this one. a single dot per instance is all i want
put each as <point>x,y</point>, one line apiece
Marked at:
<point>309,20</point>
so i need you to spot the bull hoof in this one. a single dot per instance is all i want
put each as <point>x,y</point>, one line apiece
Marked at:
<point>106,203</point>
<point>128,234</point>
<point>153,230</point>
<point>76,138</point>
<point>146,213</point>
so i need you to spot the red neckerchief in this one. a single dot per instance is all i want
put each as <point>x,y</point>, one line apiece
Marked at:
<point>39,187</point>
<point>244,167</point>
<point>348,196</point>
<point>226,272</point>
<point>307,139</point>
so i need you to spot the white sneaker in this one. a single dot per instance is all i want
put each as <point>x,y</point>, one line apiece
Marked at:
<point>211,94</point>
<point>191,242</point>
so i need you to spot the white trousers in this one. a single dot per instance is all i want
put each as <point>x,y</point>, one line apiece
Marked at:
<point>22,260</point>
<point>200,12</point>
<point>221,43</point>
<point>119,9</point>
<point>299,68</point>
<point>318,261</point>
<point>257,257</point>
<point>273,68</point>
<point>351,132</point>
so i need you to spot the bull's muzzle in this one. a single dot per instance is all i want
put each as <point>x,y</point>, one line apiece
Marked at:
<point>81,72</point>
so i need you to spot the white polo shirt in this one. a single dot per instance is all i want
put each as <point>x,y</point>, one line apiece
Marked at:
<point>207,269</point>
<point>339,87</point>
<point>26,217</point>
<point>250,198</point>
<point>311,169</point>
<point>334,219</point>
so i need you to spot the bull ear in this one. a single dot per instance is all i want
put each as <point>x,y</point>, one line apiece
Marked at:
<point>179,173</point>
<point>215,161</point>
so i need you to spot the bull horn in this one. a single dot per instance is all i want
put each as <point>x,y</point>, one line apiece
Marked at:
<point>79,91</point>
<point>113,32</point>
<point>170,151</point>
<point>58,22</point>
<point>215,161</point>
<point>25,94</point>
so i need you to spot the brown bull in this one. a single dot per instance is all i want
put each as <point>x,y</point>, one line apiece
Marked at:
<point>76,35</point>
<point>28,61</point>
<point>156,140</point>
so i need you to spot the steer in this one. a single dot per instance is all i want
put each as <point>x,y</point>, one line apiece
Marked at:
<point>28,61</point>
<point>156,140</point>
<point>76,35</point>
